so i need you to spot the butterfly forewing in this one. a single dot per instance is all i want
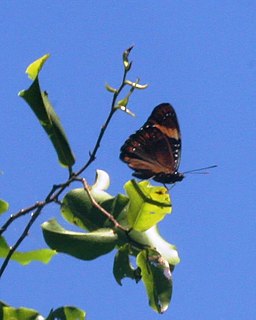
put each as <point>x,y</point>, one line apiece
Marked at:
<point>154,150</point>
<point>164,118</point>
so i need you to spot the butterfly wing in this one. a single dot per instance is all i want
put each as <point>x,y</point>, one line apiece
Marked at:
<point>154,150</point>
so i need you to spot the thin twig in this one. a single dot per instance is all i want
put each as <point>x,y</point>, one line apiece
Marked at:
<point>98,206</point>
<point>15,216</point>
<point>21,238</point>
<point>104,127</point>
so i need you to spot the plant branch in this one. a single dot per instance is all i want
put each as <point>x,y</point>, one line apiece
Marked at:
<point>21,238</point>
<point>73,176</point>
<point>51,197</point>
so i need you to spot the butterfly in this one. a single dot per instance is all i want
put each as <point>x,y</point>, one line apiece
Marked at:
<point>154,150</point>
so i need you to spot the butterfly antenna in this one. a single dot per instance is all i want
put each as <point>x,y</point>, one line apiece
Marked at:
<point>197,171</point>
<point>170,187</point>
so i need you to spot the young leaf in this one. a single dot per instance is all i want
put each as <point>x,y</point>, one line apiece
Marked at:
<point>126,62</point>
<point>4,206</point>
<point>110,89</point>
<point>148,205</point>
<point>41,106</point>
<point>157,278</point>
<point>84,246</point>
<point>102,181</point>
<point>24,258</point>
<point>136,85</point>
<point>35,67</point>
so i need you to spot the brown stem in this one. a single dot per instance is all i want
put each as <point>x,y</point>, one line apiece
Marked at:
<point>98,206</point>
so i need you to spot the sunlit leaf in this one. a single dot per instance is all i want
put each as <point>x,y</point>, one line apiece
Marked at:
<point>157,278</point>
<point>4,206</point>
<point>41,255</point>
<point>84,246</point>
<point>153,239</point>
<point>34,68</point>
<point>41,106</point>
<point>148,205</point>
<point>9,313</point>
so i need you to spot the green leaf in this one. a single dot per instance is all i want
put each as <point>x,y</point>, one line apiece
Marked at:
<point>77,209</point>
<point>4,206</point>
<point>84,246</point>
<point>64,313</point>
<point>10,313</point>
<point>67,313</point>
<point>153,239</point>
<point>41,106</point>
<point>24,258</point>
<point>157,278</point>
<point>122,266</point>
<point>35,67</point>
<point>148,205</point>
<point>117,207</point>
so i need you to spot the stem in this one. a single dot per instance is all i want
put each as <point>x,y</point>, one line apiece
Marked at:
<point>96,205</point>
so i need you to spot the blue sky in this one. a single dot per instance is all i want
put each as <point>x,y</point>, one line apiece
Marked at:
<point>201,57</point>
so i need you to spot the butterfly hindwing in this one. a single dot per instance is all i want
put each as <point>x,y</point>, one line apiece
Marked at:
<point>154,150</point>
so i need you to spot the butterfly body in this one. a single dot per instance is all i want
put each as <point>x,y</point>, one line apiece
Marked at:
<point>154,150</point>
